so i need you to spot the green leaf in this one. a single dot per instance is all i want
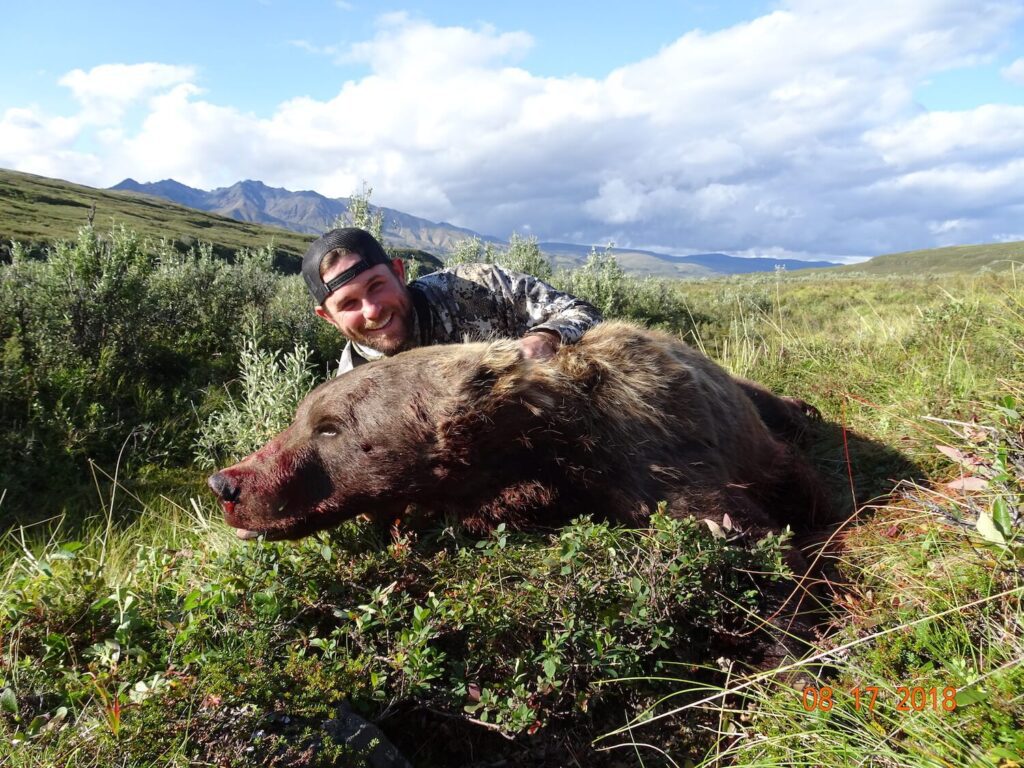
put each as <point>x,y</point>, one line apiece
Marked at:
<point>1008,406</point>
<point>1001,516</point>
<point>550,667</point>
<point>9,702</point>
<point>987,528</point>
<point>970,696</point>
<point>37,722</point>
<point>1011,414</point>
<point>193,599</point>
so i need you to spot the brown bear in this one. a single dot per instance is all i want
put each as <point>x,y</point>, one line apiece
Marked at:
<point>610,427</point>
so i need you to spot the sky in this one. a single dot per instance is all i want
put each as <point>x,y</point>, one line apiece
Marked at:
<point>796,128</point>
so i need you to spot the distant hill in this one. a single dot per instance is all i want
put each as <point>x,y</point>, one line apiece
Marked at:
<point>568,255</point>
<point>736,265</point>
<point>665,265</point>
<point>957,258</point>
<point>39,211</point>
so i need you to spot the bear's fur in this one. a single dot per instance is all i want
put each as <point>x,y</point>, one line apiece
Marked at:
<point>611,426</point>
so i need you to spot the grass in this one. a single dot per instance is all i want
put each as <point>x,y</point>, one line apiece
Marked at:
<point>149,636</point>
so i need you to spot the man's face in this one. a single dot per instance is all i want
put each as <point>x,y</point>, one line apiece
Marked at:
<point>374,309</point>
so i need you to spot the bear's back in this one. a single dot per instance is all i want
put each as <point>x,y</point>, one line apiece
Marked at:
<point>650,392</point>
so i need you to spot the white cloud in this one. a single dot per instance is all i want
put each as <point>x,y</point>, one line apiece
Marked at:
<point>26,130</point>
<point>793,133</point>
<point>331,51</point>
<point>617,202</point>
<point>33,141</point>
<point>47,144</point>
<point>105,91</point>
<point>1014,72</point>
<point>417,50</point>
<point>986,133</point>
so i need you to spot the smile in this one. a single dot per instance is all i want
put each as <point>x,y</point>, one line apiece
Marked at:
<point>379,326</point>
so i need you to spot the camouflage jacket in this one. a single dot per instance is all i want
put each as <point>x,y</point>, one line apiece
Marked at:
<point>474,302</point>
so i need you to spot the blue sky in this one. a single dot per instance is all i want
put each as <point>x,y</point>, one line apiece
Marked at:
<point>802,128</point>
<point>245,50</point>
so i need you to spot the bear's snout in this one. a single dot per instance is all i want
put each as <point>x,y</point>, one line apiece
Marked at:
<point>226,488</point>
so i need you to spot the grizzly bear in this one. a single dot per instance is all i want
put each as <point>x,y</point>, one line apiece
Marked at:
<point>611,427</point>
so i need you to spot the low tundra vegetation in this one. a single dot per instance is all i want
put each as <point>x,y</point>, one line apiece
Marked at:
<point>137,631</point>
<point>512,635</point>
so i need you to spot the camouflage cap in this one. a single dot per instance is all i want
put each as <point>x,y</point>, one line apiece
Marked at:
<point>351,239</point>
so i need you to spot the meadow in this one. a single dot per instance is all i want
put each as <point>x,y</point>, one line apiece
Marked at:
<point>137,631</point>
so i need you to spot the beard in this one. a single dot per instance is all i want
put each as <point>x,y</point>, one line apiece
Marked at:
<point>396,336</point>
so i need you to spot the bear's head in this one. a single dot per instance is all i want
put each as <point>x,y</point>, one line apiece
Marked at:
<point>388,434</point>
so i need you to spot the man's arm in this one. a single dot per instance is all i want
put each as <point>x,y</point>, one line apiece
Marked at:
<point>549,316</point>
<point>485,301</point>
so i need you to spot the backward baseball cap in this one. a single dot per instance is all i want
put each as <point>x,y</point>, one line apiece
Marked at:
<point>351,239</point>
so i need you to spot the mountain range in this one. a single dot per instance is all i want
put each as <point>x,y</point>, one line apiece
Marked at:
<point>310,212</point>
<point>304,211</point>
<point>37,211</point>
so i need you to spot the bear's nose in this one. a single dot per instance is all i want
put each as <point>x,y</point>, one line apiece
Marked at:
<point>226,488</point>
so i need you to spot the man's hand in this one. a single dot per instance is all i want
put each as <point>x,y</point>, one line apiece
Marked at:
<point>539,345</point>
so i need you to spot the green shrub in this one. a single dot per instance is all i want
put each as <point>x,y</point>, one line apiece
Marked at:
<point>109,343</point>
<point>649,301</point>
<point>271,387</point>
<point>472,250</point>
<point>600,281</point>
<point>522,255</point>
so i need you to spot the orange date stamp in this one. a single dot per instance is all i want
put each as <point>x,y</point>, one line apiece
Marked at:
<point>908,698</point>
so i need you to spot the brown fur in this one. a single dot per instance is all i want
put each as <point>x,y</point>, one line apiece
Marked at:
<point>610,427</point>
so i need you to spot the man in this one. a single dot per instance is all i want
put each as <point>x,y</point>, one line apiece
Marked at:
<point>362,292</point>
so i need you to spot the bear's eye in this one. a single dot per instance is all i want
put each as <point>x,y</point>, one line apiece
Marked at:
<point>326,430</point>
